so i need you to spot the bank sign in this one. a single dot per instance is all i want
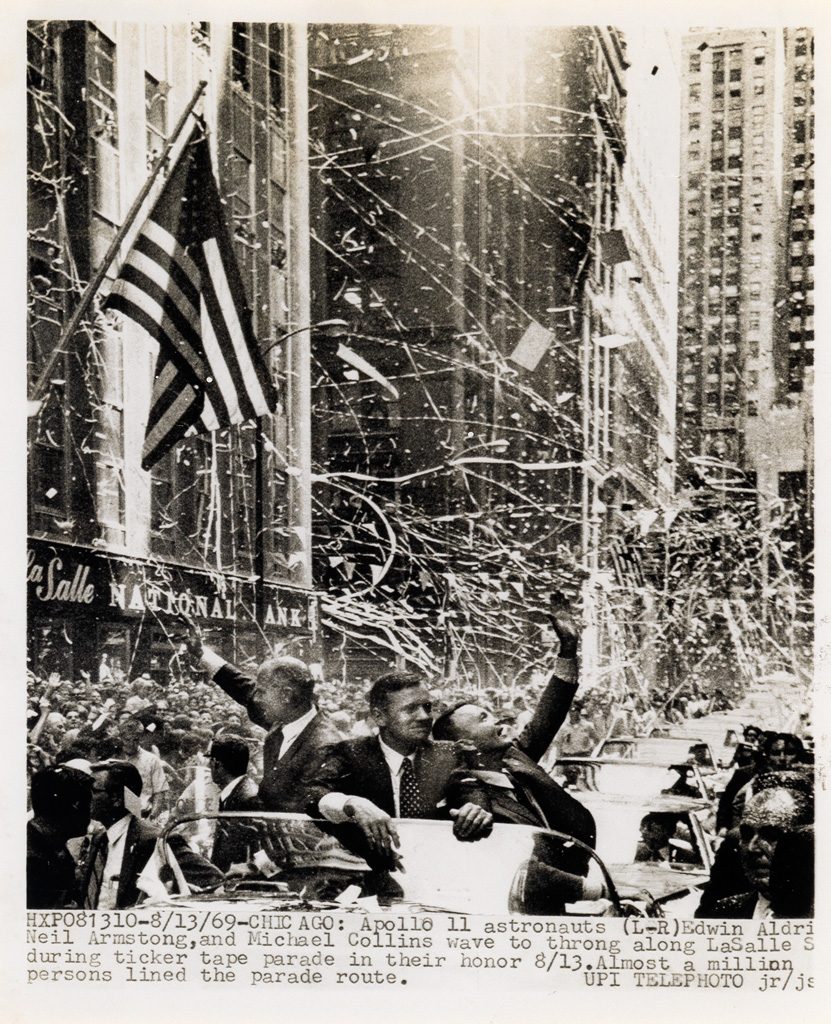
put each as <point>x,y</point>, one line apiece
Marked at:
<point>62,579</point>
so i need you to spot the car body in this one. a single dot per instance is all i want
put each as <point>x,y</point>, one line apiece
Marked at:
<point>664,750</point>
<point>293,862</point>
<point>623,777</point>
<point>722,731</point>
<point>619,819</point>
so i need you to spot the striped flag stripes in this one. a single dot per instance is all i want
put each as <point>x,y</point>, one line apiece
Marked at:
<point>626,562</point>
<point>181,283</point>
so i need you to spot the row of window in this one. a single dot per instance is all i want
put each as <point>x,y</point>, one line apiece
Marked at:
<point>187,519</point>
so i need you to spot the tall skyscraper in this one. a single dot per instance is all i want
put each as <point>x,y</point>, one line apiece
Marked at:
<point>746,276</point>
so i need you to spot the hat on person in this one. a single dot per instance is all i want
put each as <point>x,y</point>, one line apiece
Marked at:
<point>136,703</point>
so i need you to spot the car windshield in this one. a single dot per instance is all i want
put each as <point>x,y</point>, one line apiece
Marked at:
<point>631,779</point>
<point>627,835</point>
<point>514,870</point>
<point>659,749</point>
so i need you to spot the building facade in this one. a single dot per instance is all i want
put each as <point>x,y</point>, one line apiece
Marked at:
<point>470,185</point>
<point>746,295</point>
<point>217,534</point>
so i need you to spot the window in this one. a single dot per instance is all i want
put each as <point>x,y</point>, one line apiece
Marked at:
<point>103,126</point>
<point>695,62</point>
<point>759,55</point>
<point>275,68</point>
<point>758,87</point>
<point>200,34</point>
<point>241,55</point>
<point>155,112</point>
<point>695,93</point>
<point>101,87</point>
<point>694,122</point>
<point>109,439</point>
<point>735,74</point>
<point>242,211</point>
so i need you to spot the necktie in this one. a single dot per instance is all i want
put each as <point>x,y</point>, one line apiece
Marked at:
<point>271,751</point>
<point>97,860</point>
<point>409,797</point>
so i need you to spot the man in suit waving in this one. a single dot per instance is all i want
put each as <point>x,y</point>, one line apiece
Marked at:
<point>280,698</point>
<point>520,791</point>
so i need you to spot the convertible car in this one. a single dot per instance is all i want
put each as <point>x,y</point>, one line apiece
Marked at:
<point>292,862</point>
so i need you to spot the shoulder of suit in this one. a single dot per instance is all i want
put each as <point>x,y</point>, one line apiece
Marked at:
<point>145,829</point>
<point>248,787</point>
<point>734,903</point>
<point>324,728</point>
<point>439,748</point>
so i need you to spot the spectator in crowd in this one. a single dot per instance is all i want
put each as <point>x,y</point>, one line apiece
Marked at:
<point>115,872</point>
<point>61,802</point>
<point>577,737</point>
<point>769,816</point>
<point>233,840</point>
<point>727,876</point>
<point>780,751</point>
<point>155,786</point>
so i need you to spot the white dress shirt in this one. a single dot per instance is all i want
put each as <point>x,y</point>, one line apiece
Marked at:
<point>116,833</point>
<point>229,789</point>
<point>762,909</point>
<point>291,730</point>
<point>331,806</point>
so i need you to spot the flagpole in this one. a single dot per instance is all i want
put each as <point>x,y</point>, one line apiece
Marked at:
<point>95,281</point>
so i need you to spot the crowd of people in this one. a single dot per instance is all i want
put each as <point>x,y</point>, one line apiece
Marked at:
<point>110,761</point>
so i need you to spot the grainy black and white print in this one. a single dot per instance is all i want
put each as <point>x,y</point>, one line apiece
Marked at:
<point>420,468</point>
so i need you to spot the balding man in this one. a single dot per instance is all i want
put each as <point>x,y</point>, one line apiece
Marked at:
<point>280,698</point>
<point>520,791</point>
<point>769,817</point>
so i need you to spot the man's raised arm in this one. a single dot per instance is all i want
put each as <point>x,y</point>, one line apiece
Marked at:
<point>236,684</point>
<point>556,699</point>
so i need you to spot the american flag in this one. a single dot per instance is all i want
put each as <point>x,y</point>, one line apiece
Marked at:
<point>626,561</point>
<point>181,283</point>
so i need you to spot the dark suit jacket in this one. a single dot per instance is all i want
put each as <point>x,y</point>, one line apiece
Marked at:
<point>738,908</point>
<point>139,844</point>
<point>724,815</point>
<point>559,809</point>
<point>279,789</point>
<point>50,871</point>
<point>358,767</point>
<point>234,841</point>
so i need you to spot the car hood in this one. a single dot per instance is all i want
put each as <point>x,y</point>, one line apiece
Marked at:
<point>659,880</point>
